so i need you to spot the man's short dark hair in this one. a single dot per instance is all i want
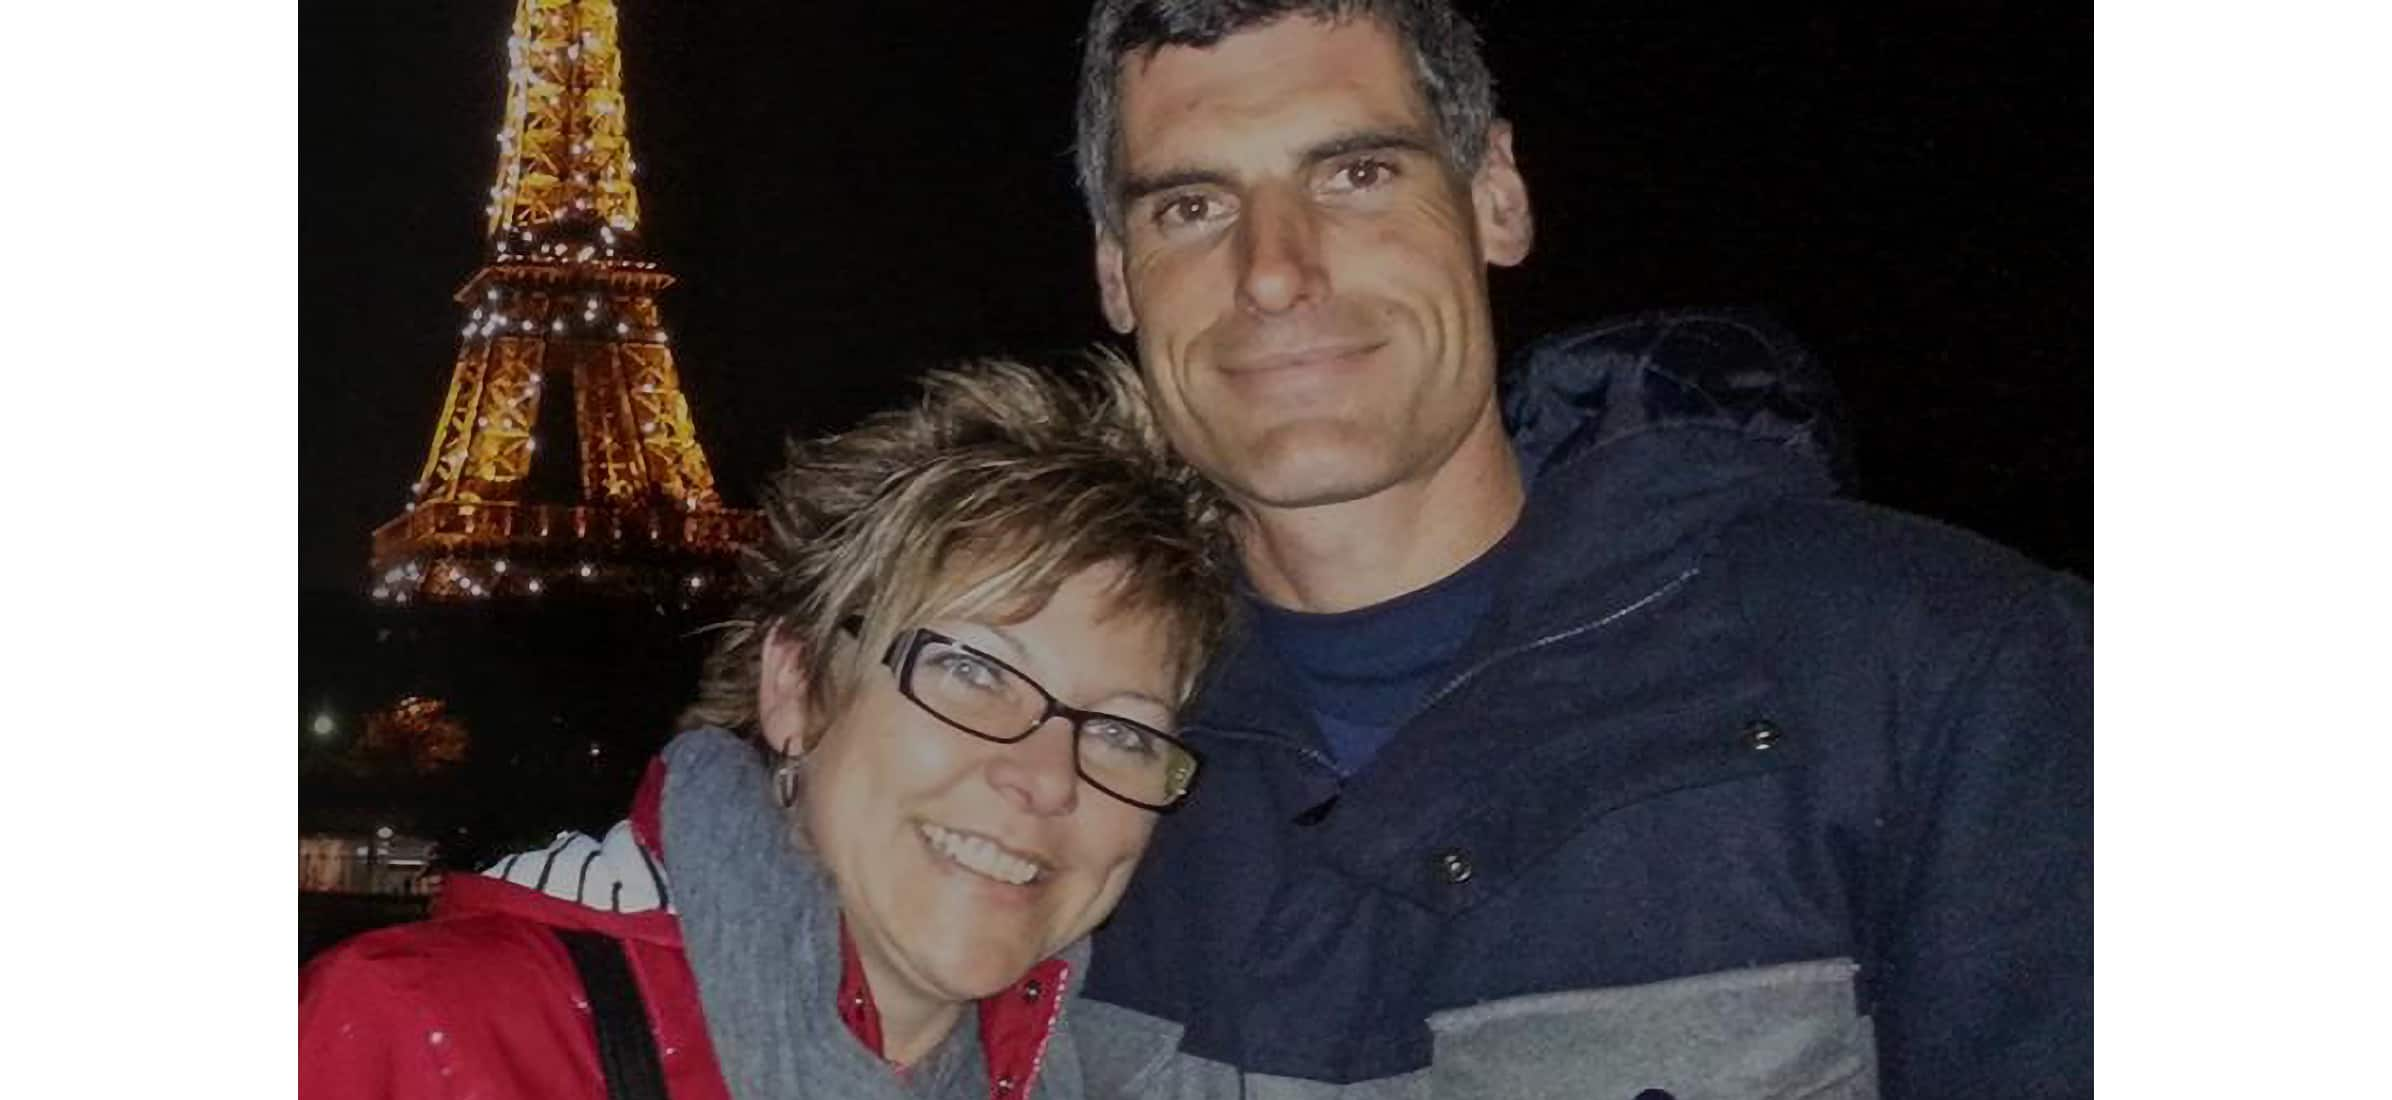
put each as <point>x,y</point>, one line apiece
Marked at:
<point>1443,46</point>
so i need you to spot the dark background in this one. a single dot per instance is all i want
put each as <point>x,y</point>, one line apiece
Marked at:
<point>849,195</point>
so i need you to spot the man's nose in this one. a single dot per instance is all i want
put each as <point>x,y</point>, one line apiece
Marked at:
<point>1279,254</point>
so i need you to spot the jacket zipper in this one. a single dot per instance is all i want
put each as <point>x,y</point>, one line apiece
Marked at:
<point>1483,663</point>
<point>1322,761</point>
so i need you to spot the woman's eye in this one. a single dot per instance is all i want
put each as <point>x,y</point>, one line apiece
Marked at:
<point>968,670</point>
<point>1120,737</point>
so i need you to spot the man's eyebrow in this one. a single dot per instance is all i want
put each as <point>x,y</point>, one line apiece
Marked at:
<point>1366,141</point>
<point>1135,186</point>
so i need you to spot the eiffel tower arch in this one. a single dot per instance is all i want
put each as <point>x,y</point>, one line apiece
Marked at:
<point>545,585</point>
<point>565,300</point>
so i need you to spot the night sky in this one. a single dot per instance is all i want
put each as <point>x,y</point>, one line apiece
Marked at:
<point>852,194</point>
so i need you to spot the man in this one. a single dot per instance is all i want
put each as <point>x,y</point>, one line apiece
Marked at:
<point>1581,743</point>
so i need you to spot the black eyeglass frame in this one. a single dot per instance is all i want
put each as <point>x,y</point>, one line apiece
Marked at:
<point>905,648</point>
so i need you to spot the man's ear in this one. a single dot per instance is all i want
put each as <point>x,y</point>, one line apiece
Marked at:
<point>1112,285</point>
<point>1506,226</point>
<point>784,708</point>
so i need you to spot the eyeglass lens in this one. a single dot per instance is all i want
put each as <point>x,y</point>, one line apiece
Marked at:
<point>1120,756</point>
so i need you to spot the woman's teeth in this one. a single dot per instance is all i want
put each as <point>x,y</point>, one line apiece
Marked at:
<point>980,855</point>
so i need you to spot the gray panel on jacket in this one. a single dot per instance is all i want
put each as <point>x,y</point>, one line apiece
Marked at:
<point>1790,1031</point>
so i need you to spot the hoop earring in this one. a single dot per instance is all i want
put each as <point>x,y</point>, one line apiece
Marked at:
<point>785,767</point>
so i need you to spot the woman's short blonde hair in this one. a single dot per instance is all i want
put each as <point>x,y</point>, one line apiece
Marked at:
<point>998,484</point>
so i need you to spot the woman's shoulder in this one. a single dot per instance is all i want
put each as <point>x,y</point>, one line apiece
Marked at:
<point>413,953</point>
<point>488,939</point>
<point>401,1011</point>
<point>434,976</point>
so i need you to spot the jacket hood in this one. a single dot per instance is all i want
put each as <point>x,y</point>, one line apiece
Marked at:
<point>1639,439</point>
<point>1576,391</point>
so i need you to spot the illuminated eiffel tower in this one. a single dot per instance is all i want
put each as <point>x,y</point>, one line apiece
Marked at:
<point>564,299</point>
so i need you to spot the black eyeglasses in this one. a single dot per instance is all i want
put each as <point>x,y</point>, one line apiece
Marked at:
<point>994,701</point>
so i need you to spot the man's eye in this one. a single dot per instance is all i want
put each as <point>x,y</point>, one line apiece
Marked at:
<point>1362,175</point>
<point>1183,210</point>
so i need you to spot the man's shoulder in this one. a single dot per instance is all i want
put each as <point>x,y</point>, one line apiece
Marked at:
<point>1843,559</point>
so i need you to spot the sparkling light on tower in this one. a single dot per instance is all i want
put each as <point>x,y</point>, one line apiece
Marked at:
<point>564,300</point>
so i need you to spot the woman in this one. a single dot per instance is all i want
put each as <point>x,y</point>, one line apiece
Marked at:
<point>919,771</point>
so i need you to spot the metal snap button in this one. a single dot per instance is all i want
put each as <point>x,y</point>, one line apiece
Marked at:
<point>1762,735</point>
<point>1031,989</point>
<point>1454,865</point>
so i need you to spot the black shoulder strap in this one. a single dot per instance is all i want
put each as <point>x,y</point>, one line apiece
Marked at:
<point>626,1047</point>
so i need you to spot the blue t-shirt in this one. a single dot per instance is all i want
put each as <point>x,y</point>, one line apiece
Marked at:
<point>1364,671</point>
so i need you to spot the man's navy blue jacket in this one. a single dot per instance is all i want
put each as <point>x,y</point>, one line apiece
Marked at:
<point>1740,787</point>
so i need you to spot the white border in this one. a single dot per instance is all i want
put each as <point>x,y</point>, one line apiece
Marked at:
<point>151,190</point>
<point>2240,499</point>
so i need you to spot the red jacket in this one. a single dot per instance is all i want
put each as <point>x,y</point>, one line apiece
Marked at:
<point>481,1000</point>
